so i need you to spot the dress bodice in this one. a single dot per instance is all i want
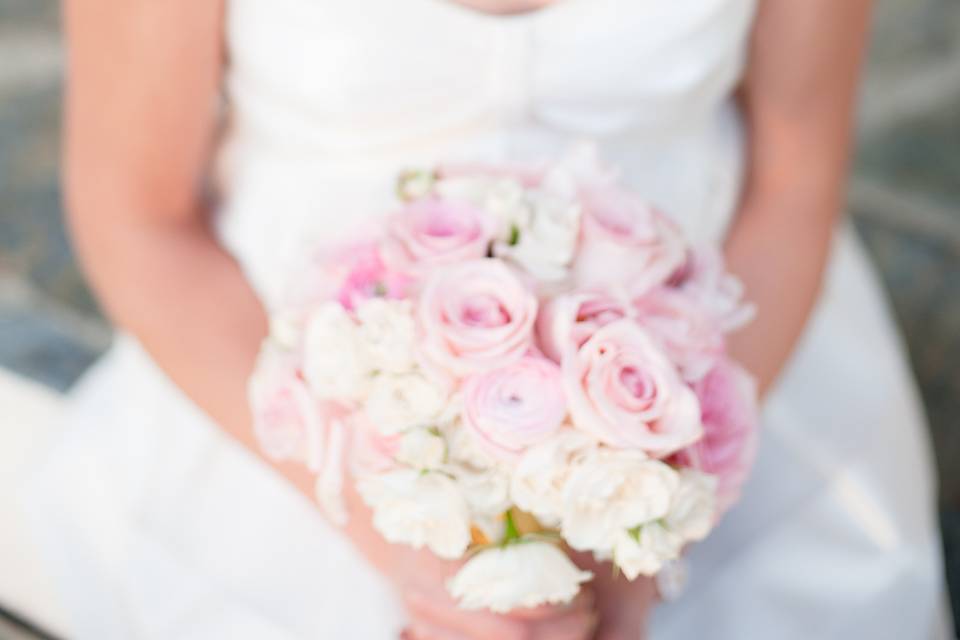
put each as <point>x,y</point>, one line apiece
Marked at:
<point>329,99</point>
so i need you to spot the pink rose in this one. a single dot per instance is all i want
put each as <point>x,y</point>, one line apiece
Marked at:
<point>430,233</point>
<point>348,274</point>
<point>689,335</point>
<point>571,320</point>
<point>287,421</point>
<point>515,407</point>
<point>622,389</point>
<point>704,277</point>
<point>364,275</point>
<point>625,241</point>
<point>728,403</point>
<point>475,316</point>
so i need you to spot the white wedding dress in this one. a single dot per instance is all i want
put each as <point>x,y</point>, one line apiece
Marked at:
<point>158,526</point>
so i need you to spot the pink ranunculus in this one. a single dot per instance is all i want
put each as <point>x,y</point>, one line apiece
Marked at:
<point>515,407</point>
<point>691,337</point>
<point>625,241</point>
<point>704,277</point>
<point>287,421</point>
<point>475,316</point>
<point>571,319</point>
<point>728,402</point>
<point>622,389</point>
<point>430,233</point>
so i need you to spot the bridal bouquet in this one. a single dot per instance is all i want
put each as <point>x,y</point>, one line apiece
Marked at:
<point>519,360</point>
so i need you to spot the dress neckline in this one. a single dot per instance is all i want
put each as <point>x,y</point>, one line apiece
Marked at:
<point>543,7</point>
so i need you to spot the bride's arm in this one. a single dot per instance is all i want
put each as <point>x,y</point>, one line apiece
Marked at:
<point>799,97</point>
<point>139,125</point>
<point>140,119</point>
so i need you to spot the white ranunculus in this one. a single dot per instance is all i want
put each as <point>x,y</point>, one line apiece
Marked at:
<point>645,550</point>
<point>611,490</point>
<point>388,332</point>
<point>694,506</point>
<point>335,363</point>
<point>485,482</point>
<point>503,198</point>
<point>519,575</point>
<point>419,509</point>
<point>464,449</point>
<point>421,449</point>
<point>538,480</point>
<point>487,491</point>
<point>544,247</point>
<point>398,402</point>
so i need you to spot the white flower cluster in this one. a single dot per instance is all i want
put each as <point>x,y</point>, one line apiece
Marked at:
<point>618,504</point>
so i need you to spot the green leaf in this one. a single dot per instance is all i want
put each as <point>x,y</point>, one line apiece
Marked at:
<point>514,235</point>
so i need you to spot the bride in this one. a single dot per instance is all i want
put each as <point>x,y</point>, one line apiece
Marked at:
<point>210,142</point>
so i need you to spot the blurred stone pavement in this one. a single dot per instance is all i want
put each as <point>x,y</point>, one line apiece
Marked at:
<point>904,197</point>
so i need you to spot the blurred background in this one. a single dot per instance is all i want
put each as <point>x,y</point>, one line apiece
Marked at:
<point>904,198</point>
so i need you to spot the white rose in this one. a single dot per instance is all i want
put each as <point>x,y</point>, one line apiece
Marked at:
<point>388,332</point>
<point>694,506</point>
<point>421,449</point>
<point>464,448</point>
<point>545,246</point>
<point>485,482</point>
<point>644,550</point>
<point>418,509</point>
<point>611,490</point>
<point>537,482</point>
<point>486,491</point>
<point>398,402</point>
<point>503,198</point>
<point>335,363</point>
<point>519,575</point>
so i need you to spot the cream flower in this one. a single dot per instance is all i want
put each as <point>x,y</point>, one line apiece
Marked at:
<point>546,245</point>
<point>388,332</point>
<point>398,402</point>
<point>538,480</point>
<point>484,481</point>
<point>519,575</point>
<point>612,490</point>
<point>503,198</point>
<point>644,550</point>
<point>335,364</point>
<point>693,508</point>
<point>423,510</point>
<point>421,449</point>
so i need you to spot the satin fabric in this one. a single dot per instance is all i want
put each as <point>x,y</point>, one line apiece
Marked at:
<point>160,527</point>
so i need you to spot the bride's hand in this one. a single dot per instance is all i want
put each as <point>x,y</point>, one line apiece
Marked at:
<point>623,607</point>
<point>436,617</point>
